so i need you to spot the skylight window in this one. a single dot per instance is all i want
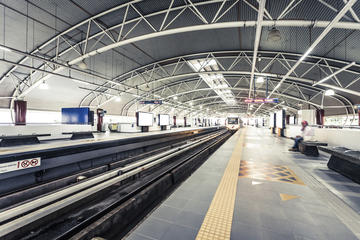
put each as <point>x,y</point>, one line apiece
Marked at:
<point>215,81</point>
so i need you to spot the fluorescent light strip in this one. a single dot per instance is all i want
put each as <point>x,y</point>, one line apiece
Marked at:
<point>215,81</point>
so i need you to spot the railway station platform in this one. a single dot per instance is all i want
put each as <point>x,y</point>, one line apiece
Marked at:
<point>253,188</point>
<point>98,138</point>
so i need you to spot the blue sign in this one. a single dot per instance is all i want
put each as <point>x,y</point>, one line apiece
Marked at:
<point>75,115</point>
<point>151,102</point>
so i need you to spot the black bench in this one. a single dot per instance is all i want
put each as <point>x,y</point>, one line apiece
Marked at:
<point>80,135</point>
<point>18,140</point>
<point>310,148</point>
<point>344,161</point>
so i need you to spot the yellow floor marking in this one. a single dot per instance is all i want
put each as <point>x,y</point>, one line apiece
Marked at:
<point>268,171</point>
<point>286,197</point>
<point>218,220</point>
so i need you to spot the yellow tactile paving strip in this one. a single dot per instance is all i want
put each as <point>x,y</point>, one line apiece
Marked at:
<point>218,220</point>
<point>268,171</point>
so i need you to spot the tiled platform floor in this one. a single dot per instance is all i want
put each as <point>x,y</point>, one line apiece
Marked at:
<point>276,197</point>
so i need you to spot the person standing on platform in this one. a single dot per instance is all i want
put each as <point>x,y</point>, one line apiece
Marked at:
<point>305,132</point>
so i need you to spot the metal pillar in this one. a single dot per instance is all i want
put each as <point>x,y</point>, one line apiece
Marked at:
<point>320,114</point>
<point>20,108</point>
<point>287,119</point>
<point>100,117</point>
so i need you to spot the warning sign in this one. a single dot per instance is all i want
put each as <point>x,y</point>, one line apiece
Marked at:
<point>20,165</point>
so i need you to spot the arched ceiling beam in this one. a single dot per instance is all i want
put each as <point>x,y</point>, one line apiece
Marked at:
<point>271,55</point>
<point>208,26</point>
<point>323,34</point>
<point>234,72</point>
<point>212,103</point>
<point>220,107</point>
<point>273,75</point>
<point>309,87</point>
<point>312,60</point>
<point>220,104</point>
<point>132,103</point>
<point>315,61</point>
<point>180,82</point>
<point>212,26</point>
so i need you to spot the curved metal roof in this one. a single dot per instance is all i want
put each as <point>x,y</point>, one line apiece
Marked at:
<point>146,49</point>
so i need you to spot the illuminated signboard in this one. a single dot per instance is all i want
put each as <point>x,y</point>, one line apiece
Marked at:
<point>151,102</point>
<point>144,119</point>
<point>262,100</point>
<point>164,119</point>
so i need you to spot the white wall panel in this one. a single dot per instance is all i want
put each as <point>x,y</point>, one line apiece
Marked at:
<point>334,137</point>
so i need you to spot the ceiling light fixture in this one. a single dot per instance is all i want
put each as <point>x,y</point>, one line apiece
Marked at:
<point>274,35</point>
<point>44,86</point>
<point>329,92</point>
<point>260,80</point>
<point>118,99</point>
<point>82,65</point>
<point>175,97</point>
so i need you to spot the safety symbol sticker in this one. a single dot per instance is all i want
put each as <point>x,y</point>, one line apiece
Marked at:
<point>20,165</point>
<point>34,162</point>
<point>25,164</point>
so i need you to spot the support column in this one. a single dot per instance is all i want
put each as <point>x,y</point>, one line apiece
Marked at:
<point>184,121</point>
<point>100,116</point>
<point>322,117</point>
<point>174,120</point>
<point>320,114</point>
<point>20,108</point>
<point>287,119</point>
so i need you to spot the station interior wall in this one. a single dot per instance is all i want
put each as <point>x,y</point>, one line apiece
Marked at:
<point>333,136</point>
<point>49,122</point>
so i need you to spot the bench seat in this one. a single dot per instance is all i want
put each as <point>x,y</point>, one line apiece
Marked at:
<point>18,140</point>
<point>344,161</point>
<point>80,135</point>
<point>310,148</point>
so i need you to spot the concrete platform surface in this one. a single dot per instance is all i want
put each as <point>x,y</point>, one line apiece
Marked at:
<point>98,137</point>
<point>276,195</point>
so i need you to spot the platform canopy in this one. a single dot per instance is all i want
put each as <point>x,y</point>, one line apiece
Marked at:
<point>197,56</point>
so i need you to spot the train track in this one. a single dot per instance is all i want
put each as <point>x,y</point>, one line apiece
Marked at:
<point>74,212</point>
